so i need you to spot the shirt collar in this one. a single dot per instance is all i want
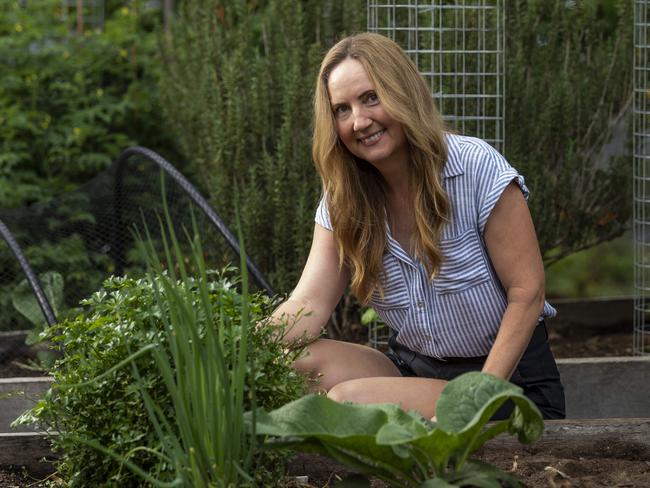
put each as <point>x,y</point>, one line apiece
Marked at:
<point>453,165</point>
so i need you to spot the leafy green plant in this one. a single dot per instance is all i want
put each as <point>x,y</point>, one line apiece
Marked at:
<point>569,92</point>
<point>237,82</point>
<point>205,442</point>
<point>402,448</point>
<point>124,317</point>
<point>24,300</point>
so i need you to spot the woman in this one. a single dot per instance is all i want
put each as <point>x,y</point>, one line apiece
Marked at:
<point>429,228</point>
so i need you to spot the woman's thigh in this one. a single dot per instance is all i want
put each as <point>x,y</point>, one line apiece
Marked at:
<point>331,362</point>
<point>410,393</point>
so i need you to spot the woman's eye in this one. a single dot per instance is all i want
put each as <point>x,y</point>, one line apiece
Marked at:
<point>372,99</point>
<point>340,110</point>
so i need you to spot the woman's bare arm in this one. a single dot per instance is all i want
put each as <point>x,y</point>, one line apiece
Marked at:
<point>319,289</point>
<point>513,248</point>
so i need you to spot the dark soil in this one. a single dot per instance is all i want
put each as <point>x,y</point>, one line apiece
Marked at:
<point>599,468</point>
<point>610,467</point>
<point>16,477</point>
<point>565,345</point>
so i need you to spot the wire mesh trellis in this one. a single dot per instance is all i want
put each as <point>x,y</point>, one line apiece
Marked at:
<point>458,47</point>
<point>90,13</point>
<point>641,342</point>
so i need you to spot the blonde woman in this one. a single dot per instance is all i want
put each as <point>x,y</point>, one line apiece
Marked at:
<point>429,228</point>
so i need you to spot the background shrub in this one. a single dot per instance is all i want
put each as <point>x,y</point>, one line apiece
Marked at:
<point>568,124</point>
<point>70,103</point>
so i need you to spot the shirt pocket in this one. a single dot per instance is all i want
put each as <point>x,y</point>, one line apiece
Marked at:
<point>463,264</point>
<point>395,291</point>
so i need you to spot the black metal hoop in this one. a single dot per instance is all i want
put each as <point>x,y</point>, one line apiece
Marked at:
<point>42,300</point>
<point>191,191</point>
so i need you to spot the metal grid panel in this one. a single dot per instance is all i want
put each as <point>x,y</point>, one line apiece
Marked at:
<point>641,345</point>
<point>458,48</point>
<point>93,12</point>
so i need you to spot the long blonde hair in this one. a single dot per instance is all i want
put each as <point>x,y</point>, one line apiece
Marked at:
<point>355,190</point>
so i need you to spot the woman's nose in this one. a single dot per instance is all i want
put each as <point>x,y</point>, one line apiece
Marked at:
<point>361,121</point>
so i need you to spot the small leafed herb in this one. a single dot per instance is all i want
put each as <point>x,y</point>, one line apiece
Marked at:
<point>404,449</point>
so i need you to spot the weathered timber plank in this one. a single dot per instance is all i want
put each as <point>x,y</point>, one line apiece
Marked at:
<point>587,438</point>
<point>18,395</point>
<point>29,449</point>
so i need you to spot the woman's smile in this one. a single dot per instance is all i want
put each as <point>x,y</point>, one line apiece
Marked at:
<point>372,139</point>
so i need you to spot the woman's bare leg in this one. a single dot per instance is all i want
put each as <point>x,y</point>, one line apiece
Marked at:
<point>420,394</point>
<point>331,362</point>
<point>355,373</point>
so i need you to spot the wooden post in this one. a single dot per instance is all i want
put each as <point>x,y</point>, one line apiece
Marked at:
<point>80,17</point>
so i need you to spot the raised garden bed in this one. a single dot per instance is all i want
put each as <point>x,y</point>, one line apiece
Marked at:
<point>611,452</point>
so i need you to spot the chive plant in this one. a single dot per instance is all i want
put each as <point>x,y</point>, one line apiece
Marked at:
<point>207,442</point>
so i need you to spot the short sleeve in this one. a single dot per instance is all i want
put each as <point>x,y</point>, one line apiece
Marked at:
<point>322,215</point>
<point>495,174</point>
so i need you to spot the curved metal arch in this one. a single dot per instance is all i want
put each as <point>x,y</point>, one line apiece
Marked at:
<point>42,300</point>
<point>192,192</point>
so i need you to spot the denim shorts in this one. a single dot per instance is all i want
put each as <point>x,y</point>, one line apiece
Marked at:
<point>536,372</point>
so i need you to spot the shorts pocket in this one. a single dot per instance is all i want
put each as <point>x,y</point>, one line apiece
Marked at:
<point>463,264</point>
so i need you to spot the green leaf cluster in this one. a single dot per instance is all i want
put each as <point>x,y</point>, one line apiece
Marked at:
<point>402,448</point>
<point>107,408</point>
<point>69,102</point>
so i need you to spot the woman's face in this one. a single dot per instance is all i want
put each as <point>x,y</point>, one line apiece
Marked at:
<point>362,124</point>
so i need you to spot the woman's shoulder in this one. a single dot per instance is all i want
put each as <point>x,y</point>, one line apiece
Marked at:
<point>472,155</point>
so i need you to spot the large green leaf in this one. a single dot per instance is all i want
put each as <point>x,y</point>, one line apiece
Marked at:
<point>24,301</point>
<point>404,448</point>
<point>469,401</point>
<point>352,429</point>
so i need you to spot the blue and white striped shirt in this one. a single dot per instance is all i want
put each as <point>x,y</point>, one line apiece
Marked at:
<point>458,314</point>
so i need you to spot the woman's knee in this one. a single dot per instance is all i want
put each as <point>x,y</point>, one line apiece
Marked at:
<point>313,359</point>
<point>347,391</point>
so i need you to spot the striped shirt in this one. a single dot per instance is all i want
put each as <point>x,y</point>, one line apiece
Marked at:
<point>459,312</point>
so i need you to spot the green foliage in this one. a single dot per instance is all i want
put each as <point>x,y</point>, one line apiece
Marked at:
<point>370,317</point>
<point>124,317</point>
<point>24,301</point>
<point>237,81</point>
<point>601,271</point>
<point>70,103</point>
<point>402,448</point>
<point>568,88</point>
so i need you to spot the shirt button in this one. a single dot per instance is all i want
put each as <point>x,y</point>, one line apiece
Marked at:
<point>420,304</point>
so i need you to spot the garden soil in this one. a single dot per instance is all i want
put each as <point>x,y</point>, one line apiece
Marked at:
<point>601,467</point>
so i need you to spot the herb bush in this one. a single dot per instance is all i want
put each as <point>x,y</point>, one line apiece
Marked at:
<point>106,405</point>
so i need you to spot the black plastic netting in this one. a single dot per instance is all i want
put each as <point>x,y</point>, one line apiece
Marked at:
<point>77,240</point>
